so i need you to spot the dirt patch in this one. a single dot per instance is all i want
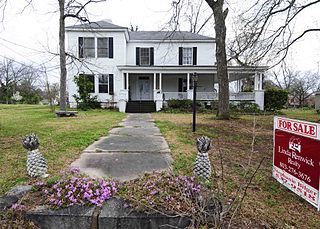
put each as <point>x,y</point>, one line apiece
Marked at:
<point>267,204</point>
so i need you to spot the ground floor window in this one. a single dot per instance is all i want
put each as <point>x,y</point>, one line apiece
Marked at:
<point>106,83</point>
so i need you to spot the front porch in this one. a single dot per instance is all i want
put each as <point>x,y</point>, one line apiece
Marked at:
<point>161,84</point>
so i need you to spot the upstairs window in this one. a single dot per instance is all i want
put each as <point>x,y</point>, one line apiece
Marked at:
<point>86,47</point>
<point>188,56</point>
<point>103,47</point>
<point>144,56</point>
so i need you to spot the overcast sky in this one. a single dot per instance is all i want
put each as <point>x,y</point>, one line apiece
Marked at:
<point>27,36</point>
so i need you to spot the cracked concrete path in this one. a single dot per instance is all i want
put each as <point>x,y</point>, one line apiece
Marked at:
<point>128,151</point>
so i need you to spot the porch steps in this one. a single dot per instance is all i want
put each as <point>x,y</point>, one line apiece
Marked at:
<point>140,107</point>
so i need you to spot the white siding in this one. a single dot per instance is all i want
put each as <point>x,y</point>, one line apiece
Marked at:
<point>166,53</point>
<point>98,65</point>
<point>124,53</point>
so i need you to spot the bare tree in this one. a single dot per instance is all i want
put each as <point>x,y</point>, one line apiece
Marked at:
<point>219,15</point>
<point>10,74</point>
<point>16,76</point>
<point>304,85</point>
<point>73,9</point>
<point>265,30</point>
<point>285,76</point>
<point>300,85</point>
<point>76,10</point>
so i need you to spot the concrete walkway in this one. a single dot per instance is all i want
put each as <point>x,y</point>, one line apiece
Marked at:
<point>129,151</point>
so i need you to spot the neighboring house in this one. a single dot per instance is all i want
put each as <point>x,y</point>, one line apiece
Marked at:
<point>132,70</point>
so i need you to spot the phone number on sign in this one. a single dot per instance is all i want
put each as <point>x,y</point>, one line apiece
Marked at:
<point>293,171</point>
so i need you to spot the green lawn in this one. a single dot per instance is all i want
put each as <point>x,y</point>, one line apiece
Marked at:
<point>267,202</point>
<point>61,139</point>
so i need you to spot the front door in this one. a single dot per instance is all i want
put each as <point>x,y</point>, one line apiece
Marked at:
<point>144,88</point>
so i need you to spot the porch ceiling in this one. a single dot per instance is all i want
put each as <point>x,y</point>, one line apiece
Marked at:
<point>235,72</point>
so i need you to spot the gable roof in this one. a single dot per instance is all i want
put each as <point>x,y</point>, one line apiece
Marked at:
<point>143,35</point>
<point>104,24</point>
<point>166,35</point>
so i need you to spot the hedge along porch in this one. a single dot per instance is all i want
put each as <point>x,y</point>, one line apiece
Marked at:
<point>162,83</point>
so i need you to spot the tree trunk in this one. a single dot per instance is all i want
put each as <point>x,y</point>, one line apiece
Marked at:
<point>63,69</point>
<point>221,57</point>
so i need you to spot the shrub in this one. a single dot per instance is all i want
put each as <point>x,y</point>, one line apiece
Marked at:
<point>181,105</point>
<point>275,99</point>
<point>246,107</point>
<point>84,99</point>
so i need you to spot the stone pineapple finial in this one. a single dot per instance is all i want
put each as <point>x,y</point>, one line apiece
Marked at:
<point>202,167</point>
<point>31,142</point>
<point>36,163</point>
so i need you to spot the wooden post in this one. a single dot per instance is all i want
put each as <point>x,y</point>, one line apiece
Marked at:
<point>194,106</point>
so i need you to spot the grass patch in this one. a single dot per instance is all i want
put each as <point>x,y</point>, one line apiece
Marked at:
<point>267,204</point>
<point>61,139</point>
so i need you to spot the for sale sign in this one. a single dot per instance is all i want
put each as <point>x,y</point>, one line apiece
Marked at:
<point>296,157</point>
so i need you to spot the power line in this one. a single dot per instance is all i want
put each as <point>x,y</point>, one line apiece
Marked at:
<point>11,42</point>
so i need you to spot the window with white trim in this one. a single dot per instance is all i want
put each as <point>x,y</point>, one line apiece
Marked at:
<point>103,83</point>
<point>144,56</point>
<point>89,46</point>
<point>86,47</point>
<point>187,56</point>
<point>103,47</point>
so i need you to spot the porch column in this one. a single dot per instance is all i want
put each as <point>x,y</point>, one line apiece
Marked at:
<point>189,90</point>
<point>258,78</point>
<point>123,95</point>
<point>260,81</point>
<point>160,81</point>
<point>154,81</point>
<point>188,81</point>
<point>258,92</point>
<point>239,85</point>
<point>158,95</point>
<point>256,81</point>
<point>127,80</point>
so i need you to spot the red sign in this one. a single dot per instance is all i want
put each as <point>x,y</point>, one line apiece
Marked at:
<point>297,127</point>
<point>296,157</point>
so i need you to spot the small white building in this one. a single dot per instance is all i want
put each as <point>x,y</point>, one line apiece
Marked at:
<point>149,67</point>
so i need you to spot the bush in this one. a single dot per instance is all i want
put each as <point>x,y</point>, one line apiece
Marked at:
<point>84,99</point>
<point>246,107</point>
<point>184,104</point>
<point>275,99</point>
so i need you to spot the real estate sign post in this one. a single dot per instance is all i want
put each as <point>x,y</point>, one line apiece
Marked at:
<point>296,157</point>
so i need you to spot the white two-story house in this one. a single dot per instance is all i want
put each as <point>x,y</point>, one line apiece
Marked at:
<point>150,67</point>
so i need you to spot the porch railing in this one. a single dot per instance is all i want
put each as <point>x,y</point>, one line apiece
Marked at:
<point>242,96</point>
<point>175,95</point>
<point>205,96</point>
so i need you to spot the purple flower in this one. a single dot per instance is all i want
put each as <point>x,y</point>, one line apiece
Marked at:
<point>18,206</point>
<point>74,170</point>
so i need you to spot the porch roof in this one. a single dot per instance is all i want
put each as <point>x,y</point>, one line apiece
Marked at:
<point>235,72</point>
